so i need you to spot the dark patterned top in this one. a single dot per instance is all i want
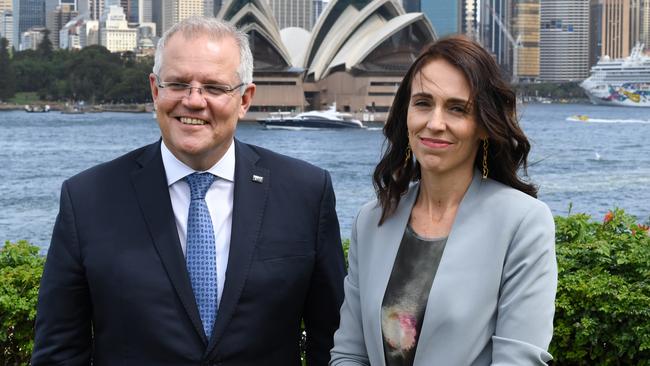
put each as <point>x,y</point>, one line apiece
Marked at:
<point>406,296</point>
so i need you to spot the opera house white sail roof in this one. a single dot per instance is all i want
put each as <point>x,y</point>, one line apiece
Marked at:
<point>354,56</point>
<point>345,35</point>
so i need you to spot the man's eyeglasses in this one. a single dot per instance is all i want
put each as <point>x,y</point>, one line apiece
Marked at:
<point>177,90</point>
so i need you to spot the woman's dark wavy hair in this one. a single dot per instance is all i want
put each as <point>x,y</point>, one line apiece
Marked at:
<point>493,103</point>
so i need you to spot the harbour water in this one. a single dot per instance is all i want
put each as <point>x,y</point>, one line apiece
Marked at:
<point>593,166</point>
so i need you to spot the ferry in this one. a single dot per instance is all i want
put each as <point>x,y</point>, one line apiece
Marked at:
<point>329,118</point>
<point>620,82</point>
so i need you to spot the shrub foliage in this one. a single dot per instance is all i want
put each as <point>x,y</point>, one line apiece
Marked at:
<point>602,314</point>
<point>20,274</point>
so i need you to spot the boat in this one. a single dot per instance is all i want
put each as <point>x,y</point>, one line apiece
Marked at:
<point>329,118</point>
<point>578,118</point>
<point>37,108</point>
<point>620,82</point>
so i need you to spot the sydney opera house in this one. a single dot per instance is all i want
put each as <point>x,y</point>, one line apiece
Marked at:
<point>355,56</point>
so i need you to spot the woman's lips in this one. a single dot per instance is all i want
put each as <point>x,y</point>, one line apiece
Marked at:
<point>435,143</point>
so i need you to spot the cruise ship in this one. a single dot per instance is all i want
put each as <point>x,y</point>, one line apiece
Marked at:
<point>621,82</point>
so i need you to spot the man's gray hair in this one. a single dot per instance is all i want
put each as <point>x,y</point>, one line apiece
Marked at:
<point>215,29</point>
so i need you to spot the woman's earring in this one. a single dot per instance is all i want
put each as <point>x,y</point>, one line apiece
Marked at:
<point>407,159</point>
<point>485,155</point>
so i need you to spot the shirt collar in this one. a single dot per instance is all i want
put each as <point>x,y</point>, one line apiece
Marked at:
<point>177,170</point>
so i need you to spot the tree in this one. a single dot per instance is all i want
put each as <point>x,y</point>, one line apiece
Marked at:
<point>45,47</point>
<point>7,77</point>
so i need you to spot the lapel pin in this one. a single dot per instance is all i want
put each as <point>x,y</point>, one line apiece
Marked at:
<point>258,179</point>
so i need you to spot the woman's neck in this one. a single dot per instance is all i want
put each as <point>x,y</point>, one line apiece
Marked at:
<point>438,200</point>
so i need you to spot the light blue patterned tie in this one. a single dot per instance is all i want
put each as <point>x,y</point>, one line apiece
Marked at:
<point>201,250</point>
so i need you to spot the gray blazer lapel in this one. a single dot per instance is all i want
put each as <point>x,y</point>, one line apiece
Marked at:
<point>382,256</point>
<point>150,184</point>
<point>454,264</point>
<point>248,210</point>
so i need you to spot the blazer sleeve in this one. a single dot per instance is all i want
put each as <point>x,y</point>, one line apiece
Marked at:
<point>527,296</point>
<point>63,319</point>
<point>349,345</point>
<point>321,315</point>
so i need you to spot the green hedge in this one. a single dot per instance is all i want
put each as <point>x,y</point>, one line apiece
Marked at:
<point>20,274</point>
<point>602,312</point>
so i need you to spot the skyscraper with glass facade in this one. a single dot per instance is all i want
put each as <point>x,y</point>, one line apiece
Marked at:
<point>564,40</point>
<point>27,14</point>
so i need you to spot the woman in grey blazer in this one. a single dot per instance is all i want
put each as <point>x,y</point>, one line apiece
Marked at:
<point>454,263</point>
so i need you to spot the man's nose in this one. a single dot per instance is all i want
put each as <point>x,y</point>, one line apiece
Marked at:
<point>195,99</point>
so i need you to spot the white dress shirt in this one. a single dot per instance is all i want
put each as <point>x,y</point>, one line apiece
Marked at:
<point>219,199</point>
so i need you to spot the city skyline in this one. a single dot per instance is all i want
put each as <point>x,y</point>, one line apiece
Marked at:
<point>533,40</point>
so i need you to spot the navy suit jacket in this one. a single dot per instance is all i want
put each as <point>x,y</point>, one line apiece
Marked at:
<point>115,290</point>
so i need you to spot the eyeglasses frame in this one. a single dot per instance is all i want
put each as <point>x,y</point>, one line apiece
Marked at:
<point>227,88</point>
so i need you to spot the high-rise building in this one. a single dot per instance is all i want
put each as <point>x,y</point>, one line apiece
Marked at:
<point>173,11</point>
<point>452,16</point>
<point>131,10</point>
<point>564,40</point>
<point>156,15</point>
<point>7,21</point>
<point>636,21</point>
<point>595,31</point>
<point>624,24</point>
<point>293,13</point>
<point>7,26</point>
<point>69,35</point>
<point>208,8</point>
<point>31,38</point>
<point>616,30</point>
<point>145,11</point>
<point>27,14</point>
<point>89,33</point>
<point>114,31</point>
<point>526,19</point>
<point>6,5</point>
<point>645,23</point>
<point>496,26</point>
<point>92,9</point>
<point>56,19</point>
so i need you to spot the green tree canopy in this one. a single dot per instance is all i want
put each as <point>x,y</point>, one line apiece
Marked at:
<point>45,48</point>
<point>7,77</point>
<point>92,74</point>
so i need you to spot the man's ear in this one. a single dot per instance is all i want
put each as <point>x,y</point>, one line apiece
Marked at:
<point>247,99</point>
<point>154,87</point>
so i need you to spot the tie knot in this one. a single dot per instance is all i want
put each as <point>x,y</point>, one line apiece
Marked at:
<point>199,184</point>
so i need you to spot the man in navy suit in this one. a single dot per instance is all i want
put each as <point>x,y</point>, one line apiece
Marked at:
<point>116,289</point>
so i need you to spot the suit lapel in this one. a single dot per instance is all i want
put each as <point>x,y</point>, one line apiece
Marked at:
<point>150,183</point>
<point>248,210</point>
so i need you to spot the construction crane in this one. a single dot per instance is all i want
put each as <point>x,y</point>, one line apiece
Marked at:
<point>516,43</point>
